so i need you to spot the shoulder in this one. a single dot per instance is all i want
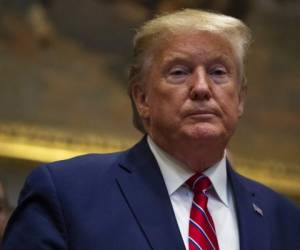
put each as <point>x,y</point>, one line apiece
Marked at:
<point>77,171</point>
<point>270,197</point>
<point>85,172</point>
<point>84,164</point>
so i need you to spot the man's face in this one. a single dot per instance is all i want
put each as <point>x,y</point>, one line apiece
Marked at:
<point>192,91</point>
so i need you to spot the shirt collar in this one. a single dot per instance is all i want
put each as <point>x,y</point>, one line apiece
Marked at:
<point>175,174</point>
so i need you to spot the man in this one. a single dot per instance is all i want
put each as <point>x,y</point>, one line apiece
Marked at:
<point>174,189</point>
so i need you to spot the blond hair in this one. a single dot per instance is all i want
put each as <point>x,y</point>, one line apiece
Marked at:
<point>153,32</point>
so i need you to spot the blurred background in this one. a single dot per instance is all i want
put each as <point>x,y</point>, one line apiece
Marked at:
<point>63,78</point>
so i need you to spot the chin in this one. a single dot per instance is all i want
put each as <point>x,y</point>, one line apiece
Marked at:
<point>207,132</point>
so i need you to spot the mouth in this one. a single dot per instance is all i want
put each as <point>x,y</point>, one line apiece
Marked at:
<point>202,114</point>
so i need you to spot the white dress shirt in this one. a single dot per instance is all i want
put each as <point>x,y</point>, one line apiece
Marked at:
<point>220,197</point>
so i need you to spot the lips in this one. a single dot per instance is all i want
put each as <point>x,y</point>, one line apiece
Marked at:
<point>203,113</point>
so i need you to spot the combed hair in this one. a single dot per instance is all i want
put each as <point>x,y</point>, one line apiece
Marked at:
<point>153,32</point>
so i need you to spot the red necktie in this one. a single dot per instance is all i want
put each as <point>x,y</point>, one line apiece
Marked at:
<point>202,234</point>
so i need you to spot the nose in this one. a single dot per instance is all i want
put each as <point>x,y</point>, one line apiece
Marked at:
<point>199,88</point>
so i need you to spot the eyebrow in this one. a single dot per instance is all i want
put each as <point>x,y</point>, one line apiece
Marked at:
<point>222,58</point>
<point>180,58</point>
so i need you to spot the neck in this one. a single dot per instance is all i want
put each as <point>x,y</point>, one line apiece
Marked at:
<point>195,155</point>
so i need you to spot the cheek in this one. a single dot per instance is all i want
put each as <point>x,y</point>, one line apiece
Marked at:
<point>233,109</point>
<point>229,102</point>
<point>168,96</point>
<point>166,106</point>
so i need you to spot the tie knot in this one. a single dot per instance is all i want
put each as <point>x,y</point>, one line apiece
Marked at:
<point>198,183</point>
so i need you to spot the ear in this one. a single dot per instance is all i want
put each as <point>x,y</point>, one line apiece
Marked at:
<point>242,97</point>
<point>139,95</point>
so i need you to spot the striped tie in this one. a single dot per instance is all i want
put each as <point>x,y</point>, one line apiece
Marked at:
<point>202,235</point>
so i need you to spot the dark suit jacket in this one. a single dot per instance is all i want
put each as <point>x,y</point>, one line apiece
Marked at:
<point>119,201</point>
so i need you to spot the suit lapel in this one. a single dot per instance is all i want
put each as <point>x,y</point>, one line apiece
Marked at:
<point>143,187</point>
<point>251,214</point>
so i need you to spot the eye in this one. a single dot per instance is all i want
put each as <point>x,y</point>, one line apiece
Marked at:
<point>218,71</point>
<point>219,74</point>
<point>178,74</point>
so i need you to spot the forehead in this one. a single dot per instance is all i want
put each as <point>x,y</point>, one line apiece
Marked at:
<point>200,46</point>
